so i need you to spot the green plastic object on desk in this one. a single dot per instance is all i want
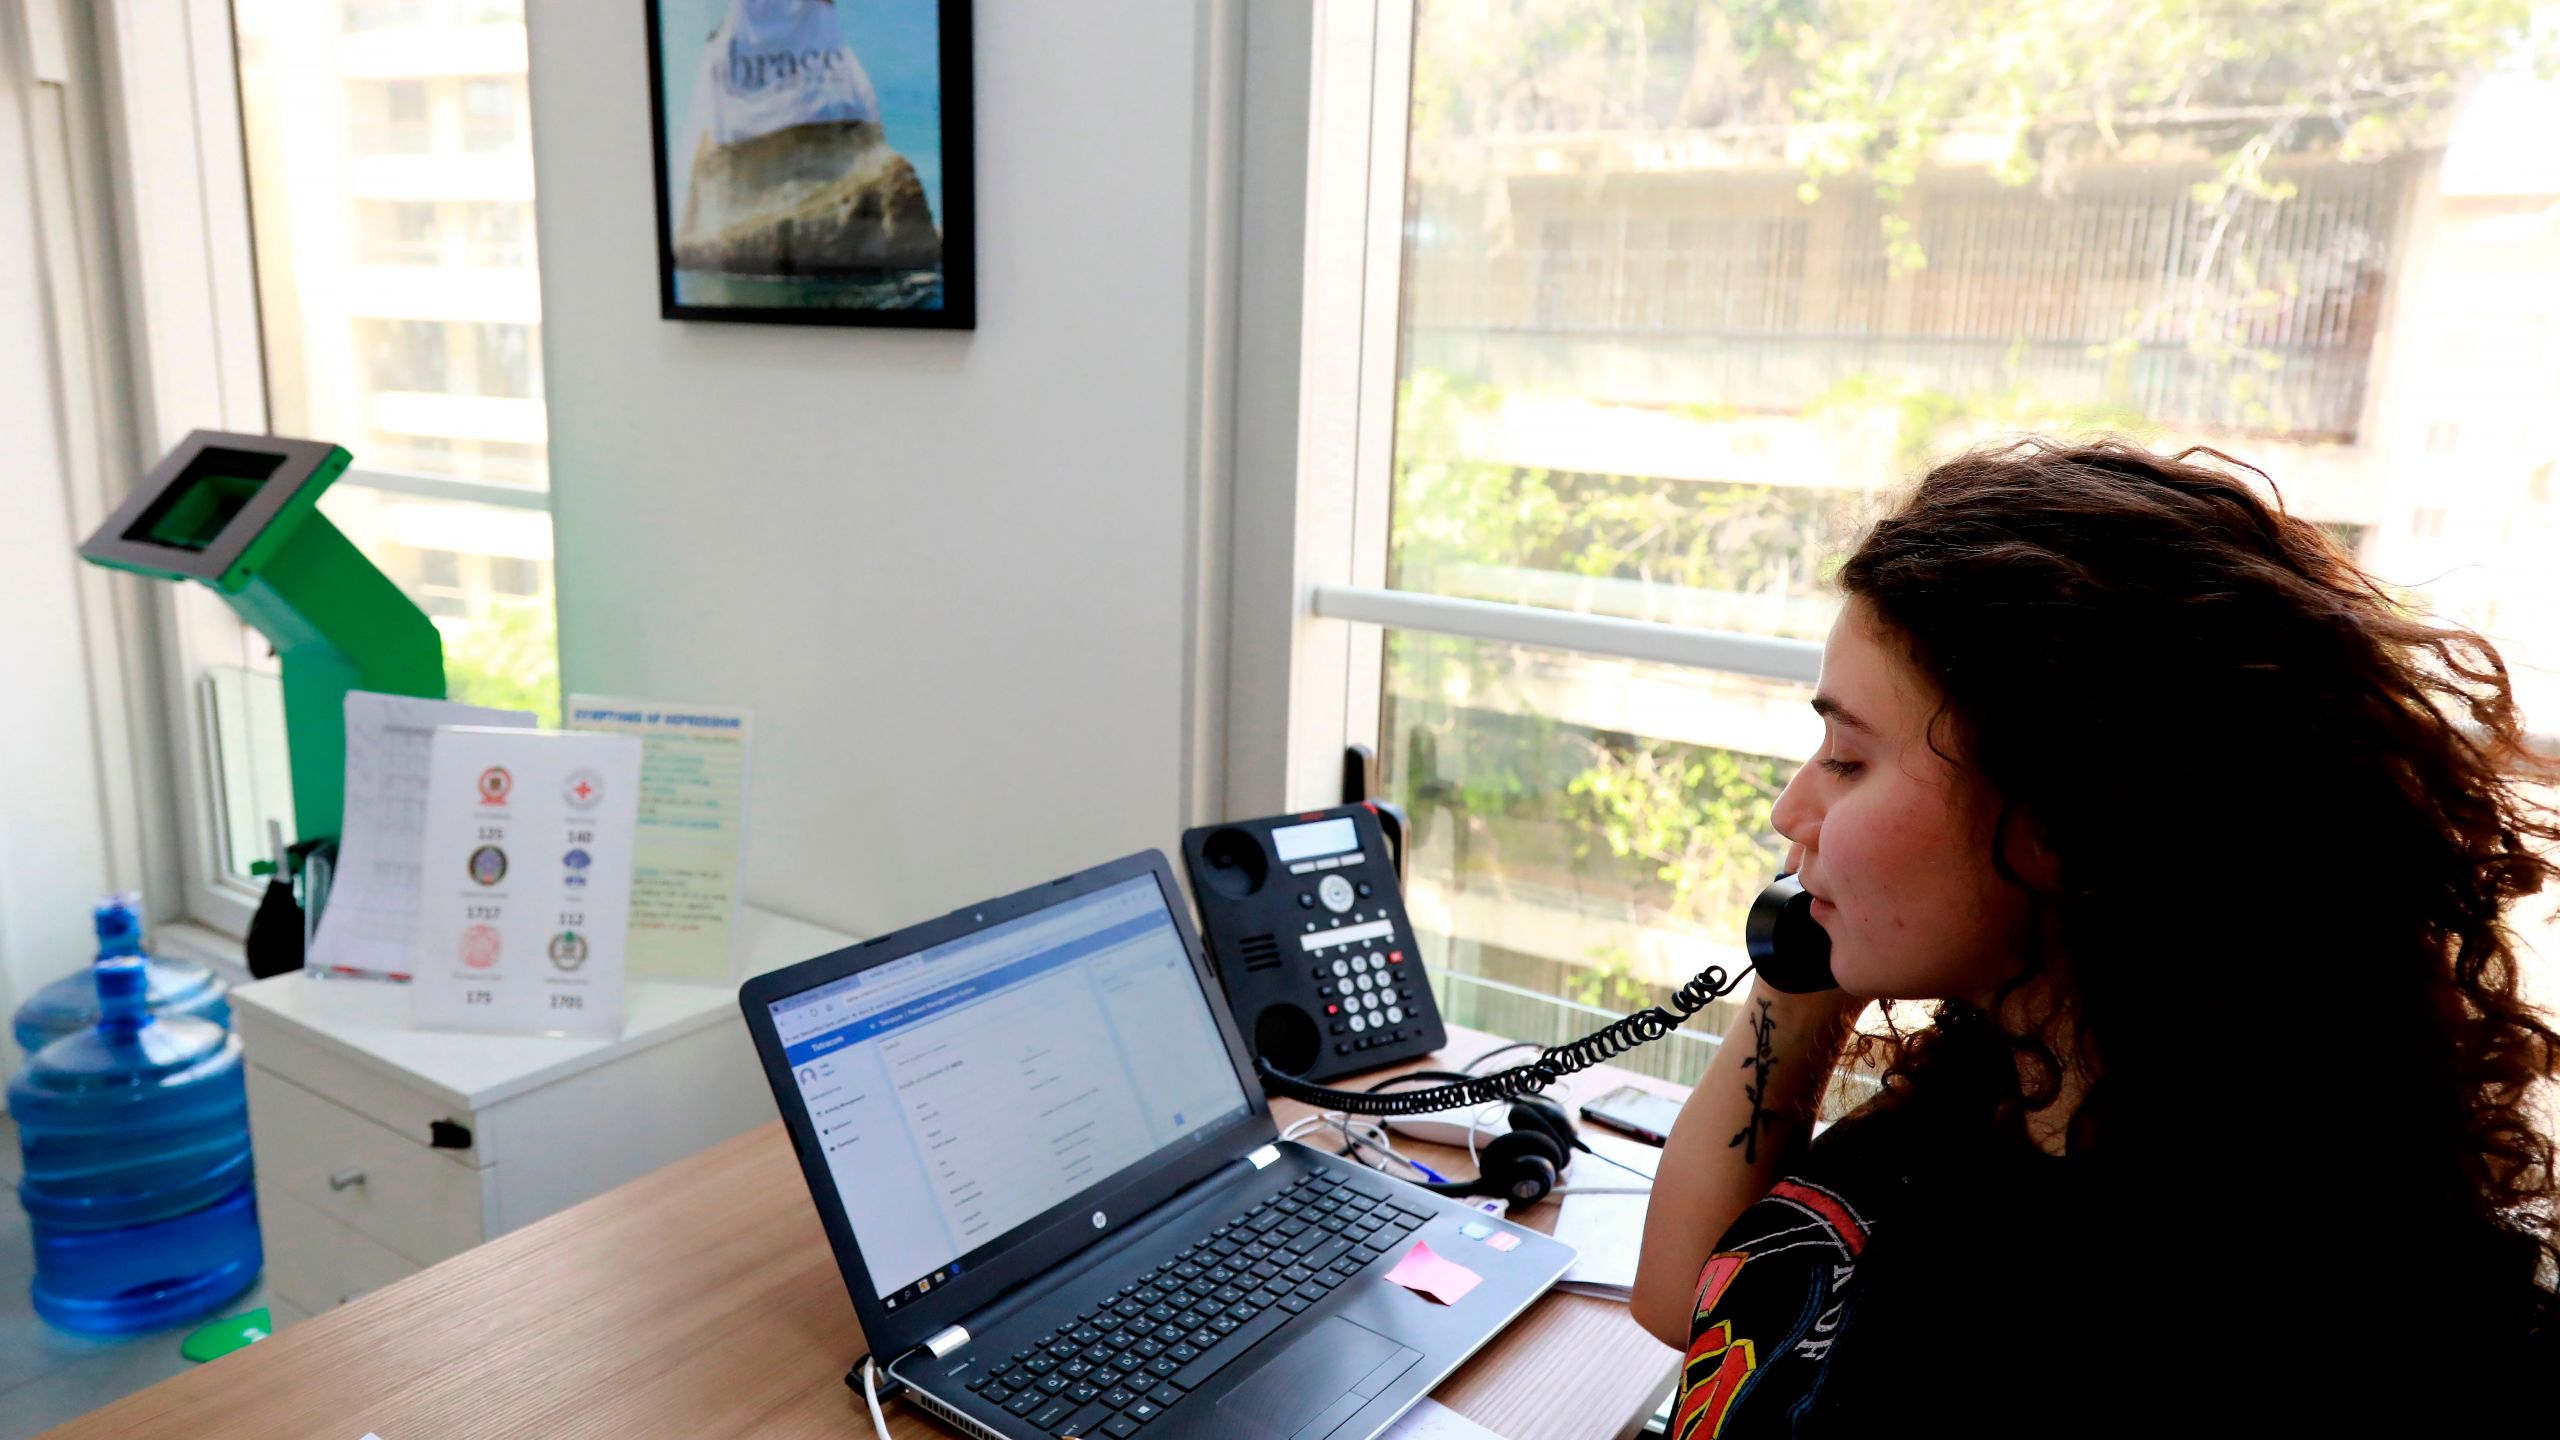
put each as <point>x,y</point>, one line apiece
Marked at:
<point>240,515</point>
<point>217,1338</point>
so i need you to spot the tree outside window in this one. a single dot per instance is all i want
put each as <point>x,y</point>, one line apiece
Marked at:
<point>1690,287</point>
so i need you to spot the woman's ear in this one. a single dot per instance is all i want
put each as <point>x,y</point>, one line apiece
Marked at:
<point>2024,850</point>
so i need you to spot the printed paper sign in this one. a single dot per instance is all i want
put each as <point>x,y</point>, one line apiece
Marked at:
<point>524,904</point>
<point>693,832</point>
<point>370,924</point>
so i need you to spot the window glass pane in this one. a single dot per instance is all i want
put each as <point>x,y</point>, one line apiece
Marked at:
<point>391,185</point>
<point>1690,288</point>
<point>1584,829</point>
<point>482,573</point>
<point>253,780</point>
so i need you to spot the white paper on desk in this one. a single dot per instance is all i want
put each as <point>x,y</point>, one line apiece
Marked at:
<point>1605,1231</point>
<point>370,925</point>
<point>1431,1420</point>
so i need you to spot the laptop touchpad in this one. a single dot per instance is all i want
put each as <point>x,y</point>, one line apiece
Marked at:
<point>1316,1384</point>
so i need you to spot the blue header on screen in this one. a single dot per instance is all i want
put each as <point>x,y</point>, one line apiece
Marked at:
<point>925,1007</point>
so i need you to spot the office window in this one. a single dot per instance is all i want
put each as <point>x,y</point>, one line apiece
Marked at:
<point>1687,290</point>
<point>390,177</point>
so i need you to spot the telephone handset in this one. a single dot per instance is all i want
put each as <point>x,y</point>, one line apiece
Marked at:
<point>1785,946</point>
<point>1790,951</point>
<point>1307,929</point>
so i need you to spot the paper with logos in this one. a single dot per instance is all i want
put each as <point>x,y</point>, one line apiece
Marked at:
<point>693,832</point>
<point>527,863</point>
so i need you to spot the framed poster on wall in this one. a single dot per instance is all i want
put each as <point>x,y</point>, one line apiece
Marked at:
<point>813,161</point>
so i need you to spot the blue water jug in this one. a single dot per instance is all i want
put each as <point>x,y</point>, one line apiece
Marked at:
<point>177,987</point>
<point>135,1134</point>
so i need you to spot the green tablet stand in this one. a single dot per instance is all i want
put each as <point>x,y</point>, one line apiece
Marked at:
<point>240,513</point>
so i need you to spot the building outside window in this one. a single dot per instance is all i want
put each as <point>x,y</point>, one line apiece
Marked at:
<point>390,173</point>
<point>397,232</point>
<point>492,114</point>
<point>499,234</point>
<point>1688,289</point>
<point>504,362</point>
<point>408,355</point>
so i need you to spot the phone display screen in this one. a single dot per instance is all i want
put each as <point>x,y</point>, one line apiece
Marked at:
<point>1324,837</point>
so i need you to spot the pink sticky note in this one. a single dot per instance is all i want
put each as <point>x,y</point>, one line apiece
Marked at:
<point>1425,1271</point>
<point>1503,1240</point>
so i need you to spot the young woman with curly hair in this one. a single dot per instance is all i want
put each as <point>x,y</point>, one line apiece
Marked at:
<point>2204,846</point>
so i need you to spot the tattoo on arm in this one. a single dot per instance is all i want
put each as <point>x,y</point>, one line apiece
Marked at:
<point>1760,1063</point>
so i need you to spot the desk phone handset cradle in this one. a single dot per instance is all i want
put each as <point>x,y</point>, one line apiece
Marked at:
<point>1299,988</point>
<point>1306,926</point>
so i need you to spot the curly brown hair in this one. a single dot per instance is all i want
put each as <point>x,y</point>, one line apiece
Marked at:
<point>2290,813</point>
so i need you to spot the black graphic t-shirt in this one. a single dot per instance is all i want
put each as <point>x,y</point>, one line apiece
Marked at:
<point>1895,1269</point>
<point>1911,1271</point>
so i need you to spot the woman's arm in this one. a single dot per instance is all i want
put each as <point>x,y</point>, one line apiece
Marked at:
<point>1753,1110</point>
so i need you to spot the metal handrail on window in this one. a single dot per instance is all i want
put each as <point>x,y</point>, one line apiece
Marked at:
<point>1763,656</point>
<point>440,487</point>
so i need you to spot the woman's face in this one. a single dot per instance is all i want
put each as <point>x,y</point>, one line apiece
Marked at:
<point>1894,841</point>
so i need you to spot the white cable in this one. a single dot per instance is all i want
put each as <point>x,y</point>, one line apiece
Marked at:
<point>1601,1190</point>
<point>1358,1136</point>
<point>871,1394</point>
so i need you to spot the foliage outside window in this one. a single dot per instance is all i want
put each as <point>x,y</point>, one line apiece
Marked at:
<point>1690,287</point>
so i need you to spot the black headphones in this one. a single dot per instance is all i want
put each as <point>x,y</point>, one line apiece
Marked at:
<point>1524,1162</point>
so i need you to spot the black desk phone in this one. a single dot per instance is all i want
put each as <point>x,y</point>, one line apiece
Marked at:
<point>1306,925</point>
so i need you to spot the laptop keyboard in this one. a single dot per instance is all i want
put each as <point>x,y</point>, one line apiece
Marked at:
<point>1140,1350</point>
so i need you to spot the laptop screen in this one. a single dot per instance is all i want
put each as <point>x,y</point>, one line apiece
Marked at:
<point>964,1090</point>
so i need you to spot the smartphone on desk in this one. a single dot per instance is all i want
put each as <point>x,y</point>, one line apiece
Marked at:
<point>1631,1111</point>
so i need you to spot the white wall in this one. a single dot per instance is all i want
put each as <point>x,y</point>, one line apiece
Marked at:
<point>53,842</point>
<point>958,576</point>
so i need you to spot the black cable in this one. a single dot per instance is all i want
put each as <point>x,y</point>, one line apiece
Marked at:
<point>1553,1063</point>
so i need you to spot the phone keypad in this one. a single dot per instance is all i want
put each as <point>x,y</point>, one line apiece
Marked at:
<point>1368,999</point>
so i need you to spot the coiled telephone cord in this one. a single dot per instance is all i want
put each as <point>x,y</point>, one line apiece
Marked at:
<point>1553,1063</point>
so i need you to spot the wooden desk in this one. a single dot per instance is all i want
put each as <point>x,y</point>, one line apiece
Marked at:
<point>702,1301</point>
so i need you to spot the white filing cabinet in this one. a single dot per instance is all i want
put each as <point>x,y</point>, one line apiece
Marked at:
<point>381,1149</point>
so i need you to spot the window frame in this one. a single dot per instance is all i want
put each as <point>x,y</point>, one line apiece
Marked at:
<point>178,172</point>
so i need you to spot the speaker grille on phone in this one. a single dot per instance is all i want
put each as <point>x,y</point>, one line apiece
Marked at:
<point>1260,952</point>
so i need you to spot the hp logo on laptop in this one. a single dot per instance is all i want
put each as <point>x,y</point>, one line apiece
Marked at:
<point>1100,1219</point>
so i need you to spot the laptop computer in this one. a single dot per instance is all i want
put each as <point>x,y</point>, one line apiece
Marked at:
<point>1061,1205</point>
